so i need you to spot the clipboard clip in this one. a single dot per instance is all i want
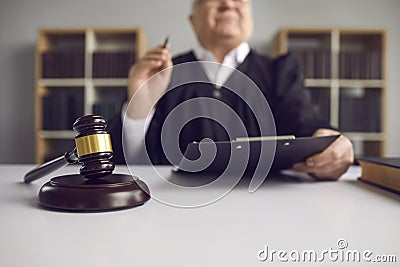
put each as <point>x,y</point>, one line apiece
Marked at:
<point>265,138</point>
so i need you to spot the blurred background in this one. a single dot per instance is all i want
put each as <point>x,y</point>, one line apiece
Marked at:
<point>21,19</point>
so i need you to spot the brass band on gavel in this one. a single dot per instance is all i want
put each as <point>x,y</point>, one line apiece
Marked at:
<point>91,144</point>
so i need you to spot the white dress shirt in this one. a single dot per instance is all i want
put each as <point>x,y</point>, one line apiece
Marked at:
<point>134,130</point>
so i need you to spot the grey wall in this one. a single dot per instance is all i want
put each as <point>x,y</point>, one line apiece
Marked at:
<point>20,19</point>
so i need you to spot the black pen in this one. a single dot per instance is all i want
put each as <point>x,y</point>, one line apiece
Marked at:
<point>166,42</point>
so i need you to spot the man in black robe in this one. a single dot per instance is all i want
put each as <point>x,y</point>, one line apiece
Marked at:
<point>222,28</point>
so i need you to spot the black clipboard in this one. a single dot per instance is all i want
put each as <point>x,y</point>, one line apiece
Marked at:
<point>288,151</point>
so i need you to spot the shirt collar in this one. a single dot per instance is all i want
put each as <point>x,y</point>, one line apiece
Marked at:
<point>237,55</point>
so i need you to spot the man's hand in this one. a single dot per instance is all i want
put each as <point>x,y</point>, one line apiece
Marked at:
<point>331,163</point>
<point>144,90</point>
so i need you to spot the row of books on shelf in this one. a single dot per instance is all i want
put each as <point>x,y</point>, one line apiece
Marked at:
<point>360,110</point>
<point>112,64</point>
<point>63,64</point>
<point>60,110</point>
<point>360,64</point>
<point>314,63</point>
<point>352,64</point>
<point>71,64</point>
<point>107,109</point>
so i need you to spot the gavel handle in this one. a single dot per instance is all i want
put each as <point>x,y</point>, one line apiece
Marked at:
<point>48,167</point>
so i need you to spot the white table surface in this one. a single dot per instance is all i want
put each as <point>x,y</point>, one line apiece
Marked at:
<point>283,215</point>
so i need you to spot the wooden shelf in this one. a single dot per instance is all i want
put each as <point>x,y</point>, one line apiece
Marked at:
<point>110,82</point>
<point>57,134</point>
<point>317,82</point>
<point>344,83</point>
<point>362,83</point>
<point>62,82</point>
<point>69,62</point>
<point>345,70</point>
<point>363,136</point>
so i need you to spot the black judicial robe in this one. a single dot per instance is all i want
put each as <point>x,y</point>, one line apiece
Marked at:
<point>279,80</point>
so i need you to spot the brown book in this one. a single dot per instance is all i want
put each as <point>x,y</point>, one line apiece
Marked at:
<point>381,172</point>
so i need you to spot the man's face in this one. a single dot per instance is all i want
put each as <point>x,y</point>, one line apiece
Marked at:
<point>216,21</point>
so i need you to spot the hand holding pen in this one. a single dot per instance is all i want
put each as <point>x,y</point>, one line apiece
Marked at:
<point>156,58</point>
<point>144,91</point>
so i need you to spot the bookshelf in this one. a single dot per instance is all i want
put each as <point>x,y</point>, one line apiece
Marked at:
<point>344,70</point>
<point>79,71</point>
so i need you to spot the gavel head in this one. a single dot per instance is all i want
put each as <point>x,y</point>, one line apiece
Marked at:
<point>93,146</point>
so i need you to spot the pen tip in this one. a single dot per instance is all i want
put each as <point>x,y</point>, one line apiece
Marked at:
<point>166,41</point>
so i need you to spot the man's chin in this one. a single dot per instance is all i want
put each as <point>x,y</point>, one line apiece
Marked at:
<point>229,35</point>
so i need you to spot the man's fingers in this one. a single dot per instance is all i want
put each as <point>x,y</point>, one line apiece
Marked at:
<point>328,172</point>
<point>300,166</point>
<point>330,154</point>
<point>329,175</point>
<point>153,62</point>
<point>331,163</point>
<point>163,55</point>
<point>304,167</point>
<point>330,167</point>
<point>154,57</point>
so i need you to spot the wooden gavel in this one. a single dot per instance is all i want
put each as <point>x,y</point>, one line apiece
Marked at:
<point>93,149</point>
<point>96,188</point>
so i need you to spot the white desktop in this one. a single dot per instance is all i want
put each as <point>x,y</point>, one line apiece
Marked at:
<point>283,219</point>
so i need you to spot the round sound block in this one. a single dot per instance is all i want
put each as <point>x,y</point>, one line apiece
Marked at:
<point>76,193</point>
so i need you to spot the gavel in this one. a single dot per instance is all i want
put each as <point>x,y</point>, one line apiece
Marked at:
<point>96,188</point>
<point>93,149</point>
